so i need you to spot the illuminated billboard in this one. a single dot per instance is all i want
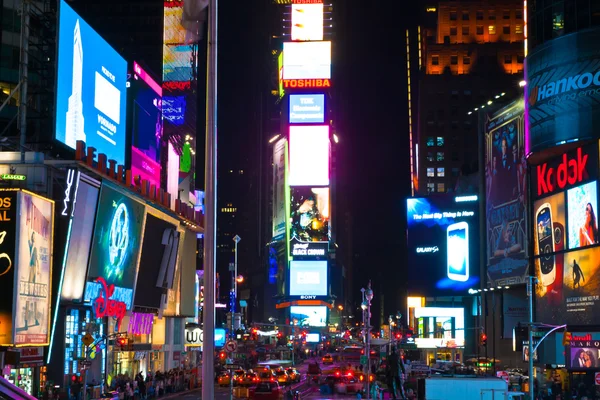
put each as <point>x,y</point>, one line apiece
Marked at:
<point>443,245</point>
<point>506,194</point>
<point>279,187</point>
<point>439,327</point>
<point>307,21</point>
<point>307,60</point>
<point>309,217</point>
<point>308,278</point>
<point>91,88</point>
<point>34,266</point>
<point>116,244</point>
<point>307,108</point>
<point>309,155</point>
<point>8,259</point>
<point>308,316</point>
<point>565,236</point>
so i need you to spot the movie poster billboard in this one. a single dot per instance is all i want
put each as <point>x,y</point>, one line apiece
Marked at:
<point>309,215</point>
<point>8,229</point>
<point>506,197</point>
<point>34,263</point>
<point>279,185</point>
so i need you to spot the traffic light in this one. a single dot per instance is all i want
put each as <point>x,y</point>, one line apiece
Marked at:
<point>222,355</point>
<point>483,339</point>
<point>122,342</point>
<point>567,339</point>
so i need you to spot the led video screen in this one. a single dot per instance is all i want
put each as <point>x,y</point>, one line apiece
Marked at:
<point>309,217</point>
<point>313,338</point>
<point>307,60</point>
<point>91,88</point>
<point>307,108</point>
<point>308,278</point>
<point>443,245</point>
<point>309,155</point>
<point>307,21</point>
<point>308,315</point>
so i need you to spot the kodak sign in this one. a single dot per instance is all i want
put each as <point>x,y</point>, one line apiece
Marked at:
<point>568,170</point>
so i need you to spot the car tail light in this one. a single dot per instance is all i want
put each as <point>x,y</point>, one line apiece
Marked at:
<point>371,378</point>
<point>362,378</point>
<point>350,374</point>
<point>272,379</point>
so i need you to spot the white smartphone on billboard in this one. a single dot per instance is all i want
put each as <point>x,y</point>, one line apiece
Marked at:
<point>545,239</point>
<point>458,251</point>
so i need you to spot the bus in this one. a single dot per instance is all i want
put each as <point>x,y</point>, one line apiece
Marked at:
<point>352,353</point>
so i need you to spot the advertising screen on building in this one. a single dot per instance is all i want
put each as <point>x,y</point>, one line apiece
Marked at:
<point>443,245</point>
<point>440,327</point>
<point>307,21</point>
<point>506,195</point>
<point>279,187</point>
<point>308,278</point>
<point>313,338</point>
<point>308,315</point>
<point>146,126</point>
<point>91,88</point>
<point>307,60</point>
<point>583,353</point>
<point>8,260</point>
<point>34,266</point>
<point>307,108</point>
<point>309,216</point>
<point>309,155</point>
<point>565,236</point>
<point>80,239</point>
<point>116,244</point>
<point>563,83</point>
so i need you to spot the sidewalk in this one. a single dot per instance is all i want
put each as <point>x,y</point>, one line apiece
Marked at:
<point>178,394</point>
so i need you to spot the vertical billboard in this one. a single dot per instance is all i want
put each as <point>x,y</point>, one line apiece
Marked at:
<point>306,60</point>
<point>309,155</point>
<point>115,245</point>
<point>307,108</point>
<point>8,263</point>
<point>279,188</point>
<point>307,21</point>
<point>34,264</point>
<point>506,197</point>
<point>443,245</point>
<point>565,237</point>
<point>91,88</point>
<point>309,218</point>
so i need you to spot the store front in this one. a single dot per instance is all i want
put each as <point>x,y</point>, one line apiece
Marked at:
<point>29,374</point>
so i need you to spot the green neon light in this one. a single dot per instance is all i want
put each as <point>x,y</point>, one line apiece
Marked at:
<point>13,177</point>
<point>286,185</point>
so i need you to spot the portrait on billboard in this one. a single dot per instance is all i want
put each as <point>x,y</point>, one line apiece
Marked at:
<point>584,358</point>
<point>32,303</point>
<point>506,197</point>
<point>8,259</point>
<point>582,203</point>
<point>309,214</point>
<point>117,238</point>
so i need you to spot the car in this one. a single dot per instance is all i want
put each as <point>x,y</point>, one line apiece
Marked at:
<point>224,379</point>
<point>294,374</point>
<point>348,384</point>
<point>283,377</point>
<point>266,375</point>
<point>250,378</point>
<point>327,359</point>
<point>314,369</point>
<point>265,391</point>
<point>238,376</point>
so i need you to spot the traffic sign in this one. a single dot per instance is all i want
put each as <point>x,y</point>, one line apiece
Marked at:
<point>231,346</point>
<point>86,363</point>
<point>87,339</point>
<point>363,360</point>
<point>597,378</point>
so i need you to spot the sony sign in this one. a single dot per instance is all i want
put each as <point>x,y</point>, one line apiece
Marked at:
<point>307,250</point>
<point>308,297</point>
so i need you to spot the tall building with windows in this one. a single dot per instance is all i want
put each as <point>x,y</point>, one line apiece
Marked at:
<point>460,54</point>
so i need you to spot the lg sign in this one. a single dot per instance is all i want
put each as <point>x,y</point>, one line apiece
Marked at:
<point>570,169</point>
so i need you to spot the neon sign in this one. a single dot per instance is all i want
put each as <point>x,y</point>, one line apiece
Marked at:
<point>105,307</point>
<point>570,171</point>
<point>140,324</point>
<point>306,83</point>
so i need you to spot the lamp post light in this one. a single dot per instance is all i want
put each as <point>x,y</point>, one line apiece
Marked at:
<point>366,307</point>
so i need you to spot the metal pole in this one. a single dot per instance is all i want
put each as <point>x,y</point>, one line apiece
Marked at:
<point>368,347</point>
<point>210,217</point>
<point>494,332</point>
<point>24,75</point>
<point>530,295</point>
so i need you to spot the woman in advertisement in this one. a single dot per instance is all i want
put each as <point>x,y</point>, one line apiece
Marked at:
<point>588,233</point>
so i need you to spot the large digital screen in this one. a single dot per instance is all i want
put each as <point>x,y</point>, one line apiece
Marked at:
<point>146,126</point>
<point>583,353</point>
<point>309,219</point>
<point>116,243</point>
<point>8,257</point>
<point>309,155</point>
<point>506,195</point>
<point>307,108</point>
<point>34,266</point>
<point>307,21</point>
<point>308,278</point>
<point>443,245</point>
<point>80,239</point>
<point>308,315</point>
<point>280,157</point>
<point>91,88</point>
<point>307,60</point>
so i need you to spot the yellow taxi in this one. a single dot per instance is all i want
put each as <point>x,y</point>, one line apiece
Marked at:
<point>327,359</point>
<point>224,379</point>
<point>266,375</point>
<point>282,377</point>
<point>238,376</point>
<point>294,374</point>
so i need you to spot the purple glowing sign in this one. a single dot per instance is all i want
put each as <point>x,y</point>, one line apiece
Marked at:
<point>140,324</point>
<point>146,78</point>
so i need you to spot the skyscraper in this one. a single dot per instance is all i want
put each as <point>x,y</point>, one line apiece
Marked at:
<point>74,128</point>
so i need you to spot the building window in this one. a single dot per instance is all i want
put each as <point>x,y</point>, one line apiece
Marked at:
<point>466,60</point>
<point>440,156</point>
<point>506,14</point>
<point>479,15</point>
<point>558,24</point>
<point>430,187</point>
<point>507,59</point>
<point>454,60</point>
<point>519,29</point>
<point>506,29</point>
<point>441,188</point>
<point>430,172</point>
<point>455,172</point>
<point>453,15</point>
<point>430,156</point>
<point>520,59</point>
<point>465,30</point>
<point>519,14</point>
<point>430,141</point>
<point>465,15</point>
<point>492,15</point>
<point>453,31</point>
<point>440,141</point>
<point>492,29</point>
<point>435,60</point>
<point>440,172</point>
<point>479,29</point>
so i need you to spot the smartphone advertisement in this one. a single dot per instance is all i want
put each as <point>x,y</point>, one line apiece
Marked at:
<point>443,249</point>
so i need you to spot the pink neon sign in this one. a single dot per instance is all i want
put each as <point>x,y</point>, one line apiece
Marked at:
<point>140,324</point>
<point>105,307</point>
<point>146,78</point>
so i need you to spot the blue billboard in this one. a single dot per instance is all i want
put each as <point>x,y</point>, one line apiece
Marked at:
<point>308,278</point>
<point>307,108</point>
<point>91,88</point>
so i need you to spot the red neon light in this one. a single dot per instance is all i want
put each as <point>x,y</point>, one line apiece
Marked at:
<point>173,85</point>
<point>306,83</point>
<point>307,1</point>
<point>172,4</point>
<point>585,338</point>
<point>105,307</point>
<point>570,171</point>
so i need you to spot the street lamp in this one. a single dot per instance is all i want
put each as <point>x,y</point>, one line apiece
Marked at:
<point>366,307</point>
